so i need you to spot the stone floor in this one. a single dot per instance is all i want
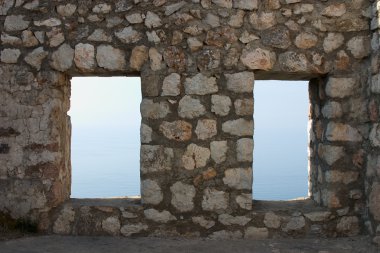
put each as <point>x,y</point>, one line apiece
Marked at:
<point>63,244</point>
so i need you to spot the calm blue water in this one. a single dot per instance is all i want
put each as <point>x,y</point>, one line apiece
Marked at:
<point>105,157</point>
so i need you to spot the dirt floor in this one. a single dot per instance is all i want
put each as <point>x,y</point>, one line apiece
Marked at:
<point>71,244</point>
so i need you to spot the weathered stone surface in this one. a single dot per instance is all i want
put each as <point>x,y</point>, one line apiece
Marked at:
<point>332,110</point>
<point>63,223</point>
<point>374,201</point>
<point>62,59</point>
<point>318,216</point>
<point>345,177</point>
<point>111,225</point>
<point>178,130</point>
<point>214,200</point>
<point>239,127</point>
<point>15,23</point>
<point>238,178</point>
<point>28,39</point>
<point>262,21</point>
<point>206,129</point>
<point>155,59</point>
<point>293,62</point>
<point>66,10</point>
<point>5,5</point>
<point>157,216</point>
<point>200,85</point>
<point>258,59</point>
<point>244,107</point>
<point>99,35</point>
<point>102,8</point>
<point>175,58</point>
<point>152,20</point>
<point>256,233</point>
<point>50,22</point>
<point>36,57</point>
<point>154,110</point>
<point>11,40</point>
<point>195,157</point>
<point>342,132</point>
<point>84,57</point>
<point>138,57</point>
<point>244,150</point>
<point>348,225</point>
<point>278,37</point>
<point>128,35</point>
<point>295,224</point>
<point>220,104</point>
<point>240,82</point>
<point>190,107</point>
<point>182,196</point>
<point>218,151</point>
<point>201,221</point>
<point>271,220</point>
<point>9,55</point>
<point>330,153</point>
<point>151,192</point>
<point>110,58</point>
<point>237,20</point>
<point>340,87</point>
<point>134,18</point>
<point>244,200</point>
<point>212,20</point>
<point>306,40</point>
<point>334,10</point>
<point>145,133</point>
<point>359,46</point>
<point>155,158</point>
<point>332,42</point>
<point>171,85</point>
<point>131,229</point>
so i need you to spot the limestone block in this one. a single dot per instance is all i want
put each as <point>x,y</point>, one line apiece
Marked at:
<point>152,20</point>
<point>342,132</point>
<point>110,58</point>
<point>155,57</point>
<point>318,216</point>
<point>182,196</point>
<point>306,40</point>
<point>155,158</point>
<point>340,87</point>
<point>139,56</point>
<point>334,10</point>
<point>9,55</point>
<point>145,133</point>
<point>170,9</point>
<point>134,18</point>
<point>271,220</point>
<point>157,216</point>
<point>262,21</point>
<point>244,200</point>
<point>102,8</point>
<point>200,85</point>
<point>206,129</point>
<point>244,150</point>
<point>244,107</point>
<point>62,59</point>
<point>220,105</point>
<point>36,57</point>
<point>332,42</point>
<point>240,82</point>
<point>171,85</point>
<point>239,127</point>
<point>374,201</point>
<point>332,110</point>
<point>130,229</point>
<point>295,224</point>
<point>278,37</point>
<point>151,192</point>
<point>203,222</point>
<point>84,57</point>
<point>62,224</point>
<point>293,62</point>
<point>190,107</point>
<point>218,151</point>
<point>195,157</point>
<point>238,178</point>
<point>15,23</point>
<point>66,10</point>
<point>330,154</point>
<point>246,4</point>
<point>348,226</point>
<point>5,5</point>
<point>258,59</point>
<point>223,3</point>
<point>345,177</point>
<point>178,130</point>
<point>214,200</point>
<point>111,225</point>
<point>154,110</point>
<point>359,46</point>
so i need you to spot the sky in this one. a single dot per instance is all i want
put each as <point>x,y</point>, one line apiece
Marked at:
<point>105,118</point>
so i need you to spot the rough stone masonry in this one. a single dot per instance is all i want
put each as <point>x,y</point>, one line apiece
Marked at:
<point>197,60</point>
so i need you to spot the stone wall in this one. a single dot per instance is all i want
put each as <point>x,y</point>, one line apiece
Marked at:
<point>197,61</point>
